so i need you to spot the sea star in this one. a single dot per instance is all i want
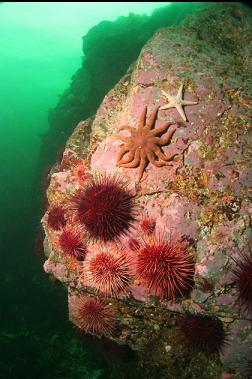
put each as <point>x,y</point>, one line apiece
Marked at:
<point>177,102</point>
<point>143,145</point>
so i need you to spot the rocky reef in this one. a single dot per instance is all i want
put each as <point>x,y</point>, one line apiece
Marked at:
<point>149,217</point>
<point>109,48</point>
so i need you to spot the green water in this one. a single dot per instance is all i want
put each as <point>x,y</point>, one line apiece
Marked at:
<point>40,49</point>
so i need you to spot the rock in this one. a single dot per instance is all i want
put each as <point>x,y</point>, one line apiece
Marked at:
<point>203,198</point>
<point>109,48</point>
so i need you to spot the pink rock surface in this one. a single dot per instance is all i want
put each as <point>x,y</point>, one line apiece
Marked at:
<point>204,195</point>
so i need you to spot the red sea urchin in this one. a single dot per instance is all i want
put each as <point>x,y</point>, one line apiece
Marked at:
<point>71,242</point>
<point>148,225</point>
<point>166,267</point>
<point>243,280</point>
<point>133,244</point>
<point>105,208</point>
<point>203,332</point>
<point>92,315</point>
<point>56,218</point>
<point>107,270</point>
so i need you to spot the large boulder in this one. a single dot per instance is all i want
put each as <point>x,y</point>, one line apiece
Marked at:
<point>175,283</point>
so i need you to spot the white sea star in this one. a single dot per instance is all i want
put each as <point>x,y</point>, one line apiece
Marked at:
<point>177,102</point>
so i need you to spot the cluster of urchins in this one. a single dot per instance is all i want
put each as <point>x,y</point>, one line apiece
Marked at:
<point>102,211</point>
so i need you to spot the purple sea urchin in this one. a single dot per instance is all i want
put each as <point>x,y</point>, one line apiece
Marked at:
<point>105,208</point>
<point>56,218</point>
<point>203,332</point>
<point>243,281</point>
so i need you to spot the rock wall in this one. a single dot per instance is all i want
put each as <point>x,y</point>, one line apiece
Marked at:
<point>108,50</point>
<point>176,285</point>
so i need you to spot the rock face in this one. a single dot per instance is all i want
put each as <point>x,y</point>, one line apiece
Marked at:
<point>198,204</point>
<point>108,50</point>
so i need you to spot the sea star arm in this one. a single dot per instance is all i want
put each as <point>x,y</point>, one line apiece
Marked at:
<point>123,138</point>
<point>151,119</point>
<point>142,119</point>
<point>122,151</point>
<point>155,162</point>
<point>181,111</point>
<point>161,129</point>
<point>179,94</point>
<point>143,164</point>
<point>188,102</point>
<point>128,158</point>
<point>167,106</point>
<point>153,139</point>
<point>167,96</point>
<point>133,163</point>
<point>163,156</point>
<point>126,127</point>
<point>166,137</point>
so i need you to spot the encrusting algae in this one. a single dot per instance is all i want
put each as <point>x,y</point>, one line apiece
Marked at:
<point>158,223</point>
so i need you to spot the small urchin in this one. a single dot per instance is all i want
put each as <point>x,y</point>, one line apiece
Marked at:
<point>243,280</point>
<point>203,332</point>
<point>104,207</point>
<point>70,242</point>
<point>56,217</point>
<point>107,270</point>
<point>165,266</point>
<point>148,225</point>
<point>92,315</point>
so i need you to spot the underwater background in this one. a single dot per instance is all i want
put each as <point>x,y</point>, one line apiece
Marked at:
<point>51,78</point>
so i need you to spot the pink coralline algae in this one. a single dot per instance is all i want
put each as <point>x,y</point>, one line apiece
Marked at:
<point>141,246</point>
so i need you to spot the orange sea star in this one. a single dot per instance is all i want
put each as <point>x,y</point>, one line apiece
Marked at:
<point>144,145</point>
